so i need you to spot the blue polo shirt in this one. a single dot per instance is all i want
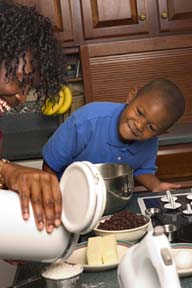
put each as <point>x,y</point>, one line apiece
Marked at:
<point>91,134</point>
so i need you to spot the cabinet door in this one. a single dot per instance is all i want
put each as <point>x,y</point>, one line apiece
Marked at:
<point>64,14</point>
<point>175,15</point>
<point>114,18</point>
<point>174,163</point>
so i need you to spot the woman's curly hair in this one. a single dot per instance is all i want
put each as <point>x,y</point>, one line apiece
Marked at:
<point>24,29</point>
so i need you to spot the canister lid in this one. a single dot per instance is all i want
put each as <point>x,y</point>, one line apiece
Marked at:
<point>100,191</point>
<point>80,185</point>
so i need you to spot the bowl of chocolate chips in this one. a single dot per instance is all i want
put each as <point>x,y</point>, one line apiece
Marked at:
<point>125,225</point>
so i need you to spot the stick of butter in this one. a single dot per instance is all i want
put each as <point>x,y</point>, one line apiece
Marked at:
<point>94,251</point>
<point>102,250</point>
<point>109,249</point>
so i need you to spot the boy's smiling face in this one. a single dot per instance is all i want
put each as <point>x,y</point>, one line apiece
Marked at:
<point>145,117</point>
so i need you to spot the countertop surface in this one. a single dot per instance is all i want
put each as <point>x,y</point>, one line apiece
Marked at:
<point>179,133</point>
<point>107,279</point>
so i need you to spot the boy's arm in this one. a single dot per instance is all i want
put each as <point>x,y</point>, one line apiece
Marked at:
<point>46,168</point>
<point>153,184</point>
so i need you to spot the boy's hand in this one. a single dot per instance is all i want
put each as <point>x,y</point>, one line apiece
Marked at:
<point>153,184</point>
<point>39,187</point>
<point>164,186</point>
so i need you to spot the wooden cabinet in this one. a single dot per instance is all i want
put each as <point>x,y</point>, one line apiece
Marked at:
<point>112,18</point>
<point>175,15</point>
<point>89,21</point>
<point>125,18</point>
<point>64,14</point>
<point>174,163</point>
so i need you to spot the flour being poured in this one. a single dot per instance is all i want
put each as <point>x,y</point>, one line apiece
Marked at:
<point>62,270</point>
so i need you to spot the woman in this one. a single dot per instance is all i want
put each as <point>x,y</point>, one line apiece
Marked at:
<point>30,58</point>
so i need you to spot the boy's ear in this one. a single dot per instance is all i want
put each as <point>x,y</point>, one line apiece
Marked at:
<point>131,95</point>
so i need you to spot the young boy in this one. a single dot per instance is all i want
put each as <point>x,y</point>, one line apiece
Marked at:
<point>106,132</point>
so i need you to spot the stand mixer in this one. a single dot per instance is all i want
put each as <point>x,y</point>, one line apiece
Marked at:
<point>149,264</point>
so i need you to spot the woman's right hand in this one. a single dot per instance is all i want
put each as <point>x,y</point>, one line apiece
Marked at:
<point>39,187</point>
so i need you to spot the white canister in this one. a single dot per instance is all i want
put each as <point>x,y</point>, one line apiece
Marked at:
<point>84,200</point>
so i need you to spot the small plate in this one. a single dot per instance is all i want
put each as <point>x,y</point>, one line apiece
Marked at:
<point>79,257</point>
<point>186,251</point>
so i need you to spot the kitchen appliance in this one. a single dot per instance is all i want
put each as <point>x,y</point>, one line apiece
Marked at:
<point>174,218</point>
<point>84,200</point>
<point>119,184</point>
<point>149,263</point>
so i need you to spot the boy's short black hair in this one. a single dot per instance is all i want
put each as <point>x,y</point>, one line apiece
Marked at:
<point>166,91</point>
<point>24,29</point>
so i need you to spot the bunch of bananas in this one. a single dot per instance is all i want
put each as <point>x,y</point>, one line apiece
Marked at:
<point>60,107</point>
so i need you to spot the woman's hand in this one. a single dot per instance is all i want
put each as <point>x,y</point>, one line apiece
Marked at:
<point>39,187</point>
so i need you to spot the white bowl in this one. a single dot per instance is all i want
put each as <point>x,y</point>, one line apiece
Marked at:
<point>132,235</point>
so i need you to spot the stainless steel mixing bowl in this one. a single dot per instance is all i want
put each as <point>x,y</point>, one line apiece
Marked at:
<point>119,183</point>
<point>63,283</point>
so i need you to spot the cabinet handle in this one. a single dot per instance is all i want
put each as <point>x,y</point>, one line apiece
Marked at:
<point>164,15</point>
<point>142,17</point>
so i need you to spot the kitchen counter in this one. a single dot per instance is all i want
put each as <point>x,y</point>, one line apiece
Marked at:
<point>107,279</point>
<point>178,134</point>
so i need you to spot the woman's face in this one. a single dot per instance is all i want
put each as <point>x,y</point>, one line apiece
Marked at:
<point>11,92</point>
